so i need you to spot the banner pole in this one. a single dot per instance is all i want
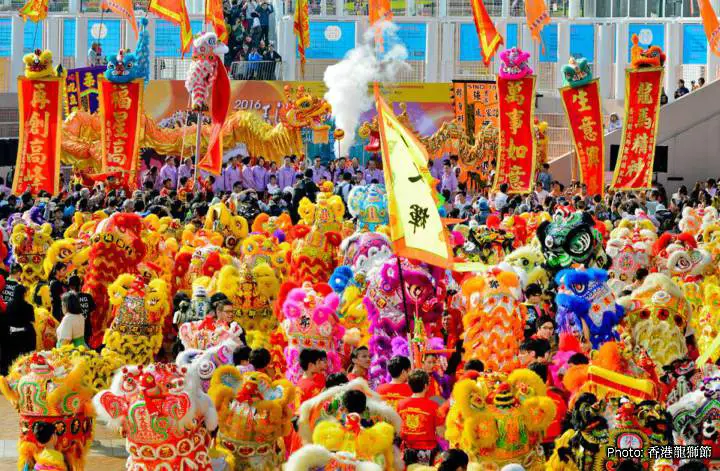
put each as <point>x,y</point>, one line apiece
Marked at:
<point>198,136</point>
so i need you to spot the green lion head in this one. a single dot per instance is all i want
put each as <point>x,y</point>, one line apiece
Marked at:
<point>577,72</point>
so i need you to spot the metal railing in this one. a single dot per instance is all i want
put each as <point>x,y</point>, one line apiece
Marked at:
<point>256,70</point>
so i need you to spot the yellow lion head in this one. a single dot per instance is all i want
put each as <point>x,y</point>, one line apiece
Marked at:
<point>38,64</point>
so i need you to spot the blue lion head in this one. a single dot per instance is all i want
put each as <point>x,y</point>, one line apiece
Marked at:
<point>123,68</point>
<point>584,297</point>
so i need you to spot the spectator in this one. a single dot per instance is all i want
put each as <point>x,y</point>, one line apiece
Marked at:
<point>254,66</point>
<point>18,334</point>
<point>72,328</point>
<point>87,303</point>
<point>264,11</point>
<point>501,197</point>
<point>681,89</point>
<point>701,82</point>
<point>255,28</point>
<point>539,195</point>
<point>95,57</point>
<point>448,181</point>
<point>286,174</point>
<point>372,174</point>
<point>614,123</point>
<point>168,171</point>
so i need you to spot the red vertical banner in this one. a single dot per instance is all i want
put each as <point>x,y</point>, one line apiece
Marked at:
<point>634,167</point>
<point>40,103</point>
<point>516,146</point>
<point>583,108</point>
<point>120,108</point>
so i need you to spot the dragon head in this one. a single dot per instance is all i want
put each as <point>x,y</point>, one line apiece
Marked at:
<point>514,64</point>
<point>653,56</point>
<point>577,72</point>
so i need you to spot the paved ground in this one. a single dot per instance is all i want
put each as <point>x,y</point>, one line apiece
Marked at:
<point>106,454</point>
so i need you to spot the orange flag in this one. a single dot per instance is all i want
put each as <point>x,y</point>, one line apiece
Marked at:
<point>176,12</point>
<point>710,22</point>
<point>125,9</point>
<point>379,10</point>
<point>301,27</point>
<point>490,39</point>
<point>214,15</point>
<point>34,10</point>
<point>537,17</point>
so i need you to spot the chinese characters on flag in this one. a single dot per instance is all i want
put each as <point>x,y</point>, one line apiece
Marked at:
<point>481,97</point>
<point>38,158</point>
<point>416,229</point>
<point>121,108</point>
<point>584,113</point>
<point>634,168</point>
<point>516,147</point>
<point>81,90</point>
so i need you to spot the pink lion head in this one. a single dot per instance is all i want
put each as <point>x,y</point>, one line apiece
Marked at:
<point>514,64</point>
<point>311,321</point>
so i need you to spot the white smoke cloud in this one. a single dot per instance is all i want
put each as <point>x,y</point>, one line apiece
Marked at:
<point>348,80</point>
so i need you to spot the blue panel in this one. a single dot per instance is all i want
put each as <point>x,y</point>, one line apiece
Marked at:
<point>694,45</point>
<point>167,37</point>
<point>470,44</point>
<point>69,37</point>
<point>549,36</point>
<point>330,39</point>
<point>650,35</point>
<point>32,37</point>
<point>582,41</point>
<point>5,37</point>
<point>105,32</point>
<point>512,40</point>
<point>414,37</point>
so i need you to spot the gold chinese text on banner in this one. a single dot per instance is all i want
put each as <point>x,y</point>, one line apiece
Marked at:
<point>634,167</point>
<point>517,150</point>
<point>583,109</point>
<point>121,110</point>
<point>416,228</point>
<point>38,157</point>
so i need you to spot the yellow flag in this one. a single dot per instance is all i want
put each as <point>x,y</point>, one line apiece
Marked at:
<point>416,229</point>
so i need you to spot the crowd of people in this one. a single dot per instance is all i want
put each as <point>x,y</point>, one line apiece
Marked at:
<point>423,386</point>
<point>251,47</point>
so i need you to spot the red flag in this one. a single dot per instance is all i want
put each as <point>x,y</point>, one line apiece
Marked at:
<point>537,17</point>
<point>710,22</point>
<point>125,9</point>
<point>490,39</point>
<point>220,103</point>
<point>175,11</point>
<point>634,167</point>
<point>215,16</point>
